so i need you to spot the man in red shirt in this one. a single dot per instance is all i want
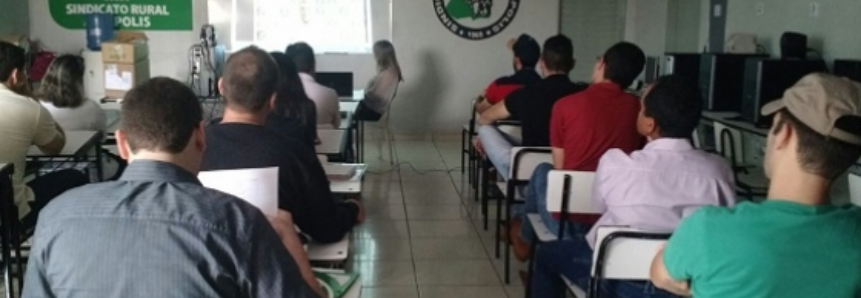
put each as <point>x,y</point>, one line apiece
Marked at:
<point>526,54</point>
<point>582,128</point>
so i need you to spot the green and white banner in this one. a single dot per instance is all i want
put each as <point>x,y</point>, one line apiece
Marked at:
<point>129,14</point>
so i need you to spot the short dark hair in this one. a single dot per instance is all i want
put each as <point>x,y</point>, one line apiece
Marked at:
<point>12,57</point>
<point>160,115</point>
<point>623,62</point>
<point>817,154</point>
<point>63,84</point>
<point>558,54</point>
<point>676,104</point>
<point>250,79</point>
<point>303,56</point>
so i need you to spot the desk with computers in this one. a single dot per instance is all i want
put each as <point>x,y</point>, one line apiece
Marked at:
<point>735,86</point>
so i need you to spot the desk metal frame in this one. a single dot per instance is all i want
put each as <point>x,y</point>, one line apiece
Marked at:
<point>9,221</point>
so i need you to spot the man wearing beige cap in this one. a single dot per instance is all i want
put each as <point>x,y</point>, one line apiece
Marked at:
<point>795,244</point>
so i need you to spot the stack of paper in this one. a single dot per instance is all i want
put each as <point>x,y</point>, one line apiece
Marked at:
<point>256,186</point>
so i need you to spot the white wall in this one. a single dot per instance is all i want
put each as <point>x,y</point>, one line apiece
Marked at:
<point>593,26</point>
<point>168,49</point>
<point>444,72</point>
<point>362,65</point>
<point>833,32</point>
<point>646,25</point>
<point>13,17</point>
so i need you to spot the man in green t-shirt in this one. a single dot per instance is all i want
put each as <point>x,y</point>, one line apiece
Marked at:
<point>795,244</point>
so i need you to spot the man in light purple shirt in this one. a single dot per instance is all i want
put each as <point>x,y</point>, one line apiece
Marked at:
<point>651,189</point>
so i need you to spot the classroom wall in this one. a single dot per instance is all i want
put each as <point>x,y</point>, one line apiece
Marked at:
<point>168,49</point>
<point>444,72</point>
<point>646,25</point>
<point>13,17</point>
<point>683,26</point>
<point>833,32</point>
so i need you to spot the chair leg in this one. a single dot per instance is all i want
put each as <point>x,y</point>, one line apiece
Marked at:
<point>500,223</point>
<point>508,228</point>
<point>463,150</point>
<point>483,190</point>
<point>530,268</point>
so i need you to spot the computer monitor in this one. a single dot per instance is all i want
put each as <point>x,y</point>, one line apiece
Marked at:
<point>653,70</point>
<point>342,82</point>
<point>683,64</point>
<point>848,68</point>
<point>722,80</point>
<point>766,80</point>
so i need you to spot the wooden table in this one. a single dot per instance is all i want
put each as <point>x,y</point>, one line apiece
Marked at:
<point>78,146</point>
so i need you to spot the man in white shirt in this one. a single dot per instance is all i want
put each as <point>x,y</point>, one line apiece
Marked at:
<point>651,189</point>
<point>326,99</point>
<point>23,123</point>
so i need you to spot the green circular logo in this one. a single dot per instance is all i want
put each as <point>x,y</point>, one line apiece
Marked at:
<point>475,19</point>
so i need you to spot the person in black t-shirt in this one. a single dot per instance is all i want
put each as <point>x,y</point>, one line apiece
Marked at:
<point>241,141</point>
<point>532,105</point>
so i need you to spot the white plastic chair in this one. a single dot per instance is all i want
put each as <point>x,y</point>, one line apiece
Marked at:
<point>334,254</point>
<point>523,162</point>
<point>622,253</point>
<point>383,126</point>
<point>567,192</point>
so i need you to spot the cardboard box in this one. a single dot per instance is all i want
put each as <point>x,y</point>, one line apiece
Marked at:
<point>122,77</point>
<point>127,47</point>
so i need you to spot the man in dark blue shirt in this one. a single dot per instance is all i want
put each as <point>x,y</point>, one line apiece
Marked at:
<point>241,141</point>
<point>157,232</point>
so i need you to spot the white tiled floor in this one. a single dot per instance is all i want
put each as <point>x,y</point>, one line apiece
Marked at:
<point>423,237</point>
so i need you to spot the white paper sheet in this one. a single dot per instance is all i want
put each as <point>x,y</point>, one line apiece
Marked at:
<point>256,186</point>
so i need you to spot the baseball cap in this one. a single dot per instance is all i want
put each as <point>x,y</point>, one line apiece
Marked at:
<point>824,103</point>
<point>526,48</point>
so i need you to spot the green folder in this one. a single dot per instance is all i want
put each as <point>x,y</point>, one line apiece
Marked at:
<point>337,284</point>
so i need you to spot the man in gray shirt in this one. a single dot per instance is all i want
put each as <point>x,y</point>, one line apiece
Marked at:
<point>157,232</point>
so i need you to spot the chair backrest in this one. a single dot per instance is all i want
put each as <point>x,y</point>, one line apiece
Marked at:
<point>695,139</point>
<point>579,191</point>
<point>524,160</point>
<point>624,253</point>
<point>728,142</point>
<point>512,129</point>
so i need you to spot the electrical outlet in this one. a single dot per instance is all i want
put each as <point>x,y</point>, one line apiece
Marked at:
<point>760,9</point>
<point>814,9</point>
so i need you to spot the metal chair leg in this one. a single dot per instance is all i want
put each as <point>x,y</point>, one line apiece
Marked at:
<point>531,268</point>
<point>463,150</point>
<point>508,247</point>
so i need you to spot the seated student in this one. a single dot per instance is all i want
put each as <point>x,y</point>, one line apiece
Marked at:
<point>62,94</point>
<point>326,99</point>
<point>241,141</point>
<point>158,232</point>
<point>383,87</point>
<point>294,115</point>
<point>531,104</point>
<point>526,55</point>
<point>650,189</point>
<point>796,243</point>
<point>583,127</point>
<point>24,123</point>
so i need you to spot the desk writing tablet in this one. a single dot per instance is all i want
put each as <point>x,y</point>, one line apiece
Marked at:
<point>332,141</point>
<point>78,143</point>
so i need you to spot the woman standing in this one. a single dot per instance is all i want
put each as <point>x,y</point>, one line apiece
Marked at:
<point>62,94</point>
<point>382,89</point>
<point>295,115</point>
